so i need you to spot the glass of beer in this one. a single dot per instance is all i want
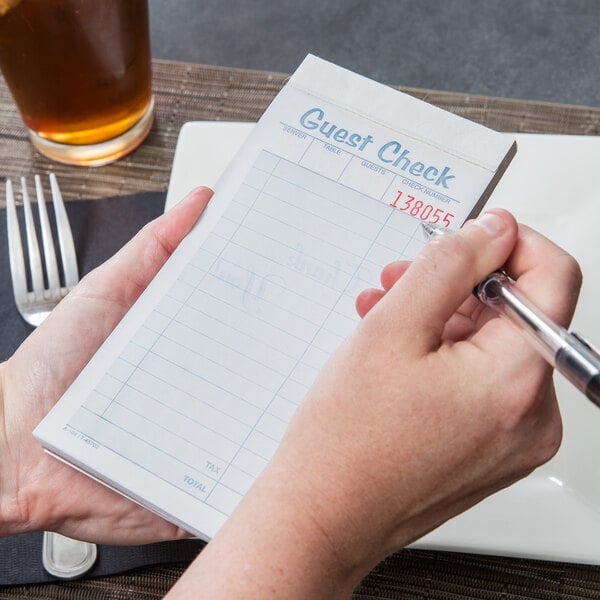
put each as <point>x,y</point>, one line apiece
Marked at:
<point>80,74</point>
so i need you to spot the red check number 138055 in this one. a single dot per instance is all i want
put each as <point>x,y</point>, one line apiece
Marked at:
<point>422,210</point>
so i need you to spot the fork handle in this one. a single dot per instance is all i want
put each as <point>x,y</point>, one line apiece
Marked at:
<point>66,558</point>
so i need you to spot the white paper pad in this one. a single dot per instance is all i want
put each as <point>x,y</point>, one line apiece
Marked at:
<point>187,400</point>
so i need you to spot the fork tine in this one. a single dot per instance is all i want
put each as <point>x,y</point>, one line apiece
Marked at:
<point>65,237</point>
<point>47,241</point>
<point>33,248</point>
<point>15,247</point>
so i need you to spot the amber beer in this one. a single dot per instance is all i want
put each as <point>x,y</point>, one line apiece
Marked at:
<point>79,72</point>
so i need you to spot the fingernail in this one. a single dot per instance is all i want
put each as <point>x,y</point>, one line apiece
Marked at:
<point>492,223</point>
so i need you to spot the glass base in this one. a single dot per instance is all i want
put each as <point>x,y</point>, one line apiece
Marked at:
<point>96,155</point>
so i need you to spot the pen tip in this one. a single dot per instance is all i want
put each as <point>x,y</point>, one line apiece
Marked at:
<point>428,230</point>
<point>432,230</point>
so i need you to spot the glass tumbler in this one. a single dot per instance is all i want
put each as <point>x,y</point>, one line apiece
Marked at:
<point>80,74</point>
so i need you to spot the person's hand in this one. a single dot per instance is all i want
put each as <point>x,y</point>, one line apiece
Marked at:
<point>37,492</point>
<point>435,402</point>
<point>431,405</point>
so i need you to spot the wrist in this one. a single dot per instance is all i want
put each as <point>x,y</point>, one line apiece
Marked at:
<point>334,518</point>
<point>14,511</point>
<point>8,514</point>
<point>275,545</point>
<point>302,536</point>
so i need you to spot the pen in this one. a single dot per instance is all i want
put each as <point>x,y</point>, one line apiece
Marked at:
<point>568,352</point>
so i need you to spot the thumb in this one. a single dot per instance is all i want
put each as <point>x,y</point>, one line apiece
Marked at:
<point>124,276</point>
<point>444,274</point>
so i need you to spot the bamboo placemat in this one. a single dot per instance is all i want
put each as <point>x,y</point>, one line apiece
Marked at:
<point>406,575</point>
<point>188,92</point>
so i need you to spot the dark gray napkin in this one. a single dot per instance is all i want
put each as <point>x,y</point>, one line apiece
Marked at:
<point>21,558</point>
<point>100,228</point>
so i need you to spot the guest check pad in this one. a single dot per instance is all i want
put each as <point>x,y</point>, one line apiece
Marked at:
<point>185,403</point>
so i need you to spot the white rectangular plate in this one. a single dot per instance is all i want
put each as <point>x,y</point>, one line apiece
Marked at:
<point>551,185</point>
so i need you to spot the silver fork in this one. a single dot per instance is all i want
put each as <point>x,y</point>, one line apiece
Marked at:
<point>35,305</point>
<point>61,556</point>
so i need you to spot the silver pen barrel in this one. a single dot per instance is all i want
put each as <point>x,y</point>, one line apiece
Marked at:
<point>569,354</point>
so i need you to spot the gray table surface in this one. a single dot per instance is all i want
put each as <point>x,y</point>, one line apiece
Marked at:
<point>529,49</point>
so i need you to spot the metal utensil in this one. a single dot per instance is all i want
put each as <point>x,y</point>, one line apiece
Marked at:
<point>61,556</point>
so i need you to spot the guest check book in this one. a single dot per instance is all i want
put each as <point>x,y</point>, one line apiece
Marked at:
<point>185,403</point>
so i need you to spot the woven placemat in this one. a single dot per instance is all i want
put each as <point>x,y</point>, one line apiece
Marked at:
<point>188,92</point>
<point>406,575</point>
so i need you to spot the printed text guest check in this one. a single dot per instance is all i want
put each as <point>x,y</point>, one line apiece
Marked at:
<point>186,402</point>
